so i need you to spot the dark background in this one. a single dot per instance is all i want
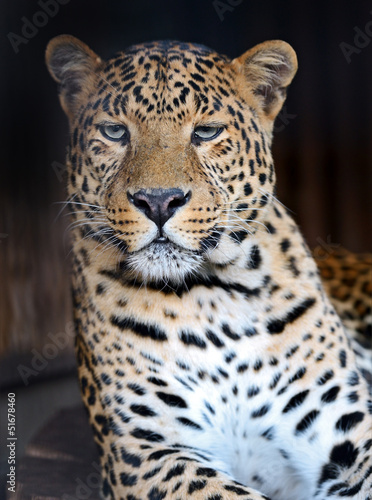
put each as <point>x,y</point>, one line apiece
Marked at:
<point>322,146</point>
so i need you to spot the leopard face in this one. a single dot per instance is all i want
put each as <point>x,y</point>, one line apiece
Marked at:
<point>170,158</point>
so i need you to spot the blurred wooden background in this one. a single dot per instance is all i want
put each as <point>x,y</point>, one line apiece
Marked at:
<point>322,147</point>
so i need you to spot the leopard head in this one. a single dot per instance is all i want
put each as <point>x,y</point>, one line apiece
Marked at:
<point>170,162</point>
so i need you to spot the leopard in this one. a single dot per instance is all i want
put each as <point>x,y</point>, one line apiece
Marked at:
<point>347,279</point>
<point>212,363</point>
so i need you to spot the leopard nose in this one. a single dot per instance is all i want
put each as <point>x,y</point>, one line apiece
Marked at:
<point>159,205</point>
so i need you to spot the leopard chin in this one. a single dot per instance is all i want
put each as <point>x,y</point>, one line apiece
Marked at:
<point>165,262</point>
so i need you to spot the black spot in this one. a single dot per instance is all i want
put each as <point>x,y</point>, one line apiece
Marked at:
<point>250,331</point>
<point>211,241</point>
<point>137,93</point>
<point>369,406</point>
<point>106,379</point>
<point>353,397</point>
<point>143,410</point>
<point>106,489</point>
<point>262,178</point>
<point>223,373</point>
<point>261,411</point>
<point>85,186</point>
<point>268,434</point>
<point>235,489</point>
<point>103,423</point>
<point>189,423</point>
<point>156,494</point>
<point>189,338</point>
<point>298,375</point>
<point>257,150</point>
<point>276,326</point>
<point>248,189</point>
<point>238,236</point>
<point>284,245</point>
<point>323,379</point>
<point>291,351</point>
<point>194,86</point>
<point>349,421</point>
<point>227,331</point>
<point>184,92</point>
<point>141,329</point>
<point>229,357</point>
<point>242,368</point>
<point>128,86</point>
<point>258,365</point>
<point>148,435</point>
<point>157,381</point>
<point>275,380</point>
<point>214,339</point>
<point>343,490</point>
<point>307,421</point>
<point>255,259</point>
<point>81,143</point>
<point>175,471</point>
<point>129,458</point>
<point>292,266</point>
<point>196,485</point>
<point>152,473</point>
<point>251,166</point>
<point>342,358</point>
<point>353,379</point>
<point>157,455</point>
<point>253,391</point>
<point>92,396</point>
<point>240,116</point>
<point>206,471</point>
<point>172,400</point>
<point>330,395</point>
<point>344,454</point>
<point>128,479</point>
<point>368,445</point>
<point>100,289</point>
<point>123,416</point>
<point>209,408</point>
<point>137,389</point>
<point>296,401</point>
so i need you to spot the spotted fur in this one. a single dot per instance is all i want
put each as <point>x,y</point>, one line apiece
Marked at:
<point>211,361</point>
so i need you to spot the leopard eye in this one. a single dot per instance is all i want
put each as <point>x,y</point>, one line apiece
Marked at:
<point>205,133</point>
<point>114,132</point>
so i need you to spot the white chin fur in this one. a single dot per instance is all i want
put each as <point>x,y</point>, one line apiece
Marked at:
<point>164,262</point>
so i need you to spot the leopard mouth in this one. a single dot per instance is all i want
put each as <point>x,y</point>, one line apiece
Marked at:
<point>164,260</point>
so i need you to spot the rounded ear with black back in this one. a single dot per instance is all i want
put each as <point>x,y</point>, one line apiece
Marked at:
<point>74,66</point>
<point>268,69</point>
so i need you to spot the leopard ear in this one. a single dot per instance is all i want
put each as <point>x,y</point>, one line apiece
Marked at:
<point>268,69</point>
<point>73,65</point>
